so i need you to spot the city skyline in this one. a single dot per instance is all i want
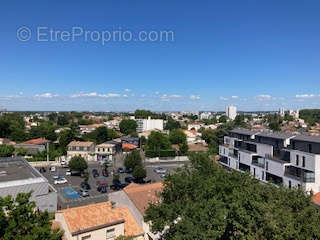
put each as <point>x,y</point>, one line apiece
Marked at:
<point>256,56</point>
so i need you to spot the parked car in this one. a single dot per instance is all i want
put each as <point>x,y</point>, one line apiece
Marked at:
<point>141,181</point>
<point>128,170</point>
<point>68,173</point>
<point>55,177</point>
<point>160,170</point>
<point>75,173</point>
<point>102,181</point>
<point>60,181</point>
<point>42,170</point>
<point>120,170</point>
<point>117,185</point>
<point>83,193</point>
<point>53,169</point>
<point>129,179</point>
<point>105,173</point>
<point>102,188</point>
<point>85,185</point>
<point>64,164</point>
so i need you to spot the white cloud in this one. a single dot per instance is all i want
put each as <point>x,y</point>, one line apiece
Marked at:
<point>234,97</point>
<point>263,97</point>
<point>194,97</point>
<point>45,95</point>
<point>166,96</point>
<point>127,90</point>
<point>94,94</point>
<point>224,99</point>
<point>125,95</point>
<point>307,96</point>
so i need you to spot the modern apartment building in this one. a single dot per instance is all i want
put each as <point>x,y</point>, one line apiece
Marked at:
<point>149,124</point>
<point>231,112</point>
<point>277,157</point>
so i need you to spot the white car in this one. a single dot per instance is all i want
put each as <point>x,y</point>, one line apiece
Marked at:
<point>68,173</point>
<point>160,170</point>
<point>60,181</point>
<point>53,169</point>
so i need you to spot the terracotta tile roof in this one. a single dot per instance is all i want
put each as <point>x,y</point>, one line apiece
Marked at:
<point>142,195</point>
<point>128,146</point>
<point>100,214</point>
<point>80,144</point>
<point>316,198</point>
<point>36,141</point>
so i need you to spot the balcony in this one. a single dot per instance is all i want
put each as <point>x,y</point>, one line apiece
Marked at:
<point>258,161</point>
<point>233,153</point>
<point>300,174</point>
<point>224,160</point>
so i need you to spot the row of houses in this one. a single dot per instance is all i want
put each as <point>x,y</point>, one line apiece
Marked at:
<point>278,157</point>
<point>105,151</point>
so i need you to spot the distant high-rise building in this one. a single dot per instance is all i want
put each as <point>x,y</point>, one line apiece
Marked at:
<point>281,112</point>
<point>231,112</point>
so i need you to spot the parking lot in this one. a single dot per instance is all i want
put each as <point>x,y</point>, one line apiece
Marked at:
<point>73,185</point>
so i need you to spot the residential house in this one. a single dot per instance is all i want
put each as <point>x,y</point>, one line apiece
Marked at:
<point>33,146</point>
<point>105,151</point>
<point>82,149</point>
<point>138,198</point>
<point>98,221</point>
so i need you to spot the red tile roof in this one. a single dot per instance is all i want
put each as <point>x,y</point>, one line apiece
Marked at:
<point>128,146</point>
<point>142,195</point>
<point>316,198</point>
<point>36,141</point>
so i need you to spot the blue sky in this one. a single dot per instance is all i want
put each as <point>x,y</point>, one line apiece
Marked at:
<point>257,55</point>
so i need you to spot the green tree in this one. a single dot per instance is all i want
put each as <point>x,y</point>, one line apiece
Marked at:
<point>177,137</point>
<point>223,119</point>
<point>44,130</point>
<point>139,172</point>
<point>20,221</point>
<point>158,141</point>
<point>62,120</point>
<point>172,124</point>
<point>128,126</point>
<point>100,135</point>
<point>6,150</point>
<point>204,201</point>
<point>78,163</point>
<point>65,137</point>
<point>21,151</point>
<point>133,159</point>
<point>239,121</point>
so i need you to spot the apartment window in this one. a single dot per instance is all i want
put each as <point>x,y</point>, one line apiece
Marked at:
<point>254,172</point>
<point>224,151</point>
<point>86,237</point>
<point>262,176</point>
<point>289,184</point>
<point>297,160</point>
<point>303,161</point>
<point>267,165</point>
<point>111,233</point>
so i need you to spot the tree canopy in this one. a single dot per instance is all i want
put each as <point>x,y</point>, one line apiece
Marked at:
<point>158,141</point>
<point>6,150</point>
<point>172,124</point>
<point>128,126</point>
<point>20,221</point>
<point>100,135</point>
<point>132,160</point>
<point>78,163</point>
<point>205,201</point>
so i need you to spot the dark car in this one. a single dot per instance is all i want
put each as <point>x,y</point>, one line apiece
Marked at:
<point>85,186</point>
<point>42,170</point>
<point>129,179</point>
<point>120,170</point>
<point>102,188</point>
<point>117,185</point>
<point>141,181</point>
<point>102,181</point>
<point>128,170</point>
<point>95,173</point>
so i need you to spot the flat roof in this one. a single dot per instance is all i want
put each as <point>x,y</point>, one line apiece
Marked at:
<point>278,135</point>
<point>16,168</point>
<point>243,131</point>
<point>307,138</point>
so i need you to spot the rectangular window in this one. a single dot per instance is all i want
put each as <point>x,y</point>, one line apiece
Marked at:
<point>297,160</point>
<point>289,184</point>
<point>262,176</point>
<point>110,233</point>
<point>310,148</point>
<point>303,161</point>
<point>88,237</point>
<point>254,172</point>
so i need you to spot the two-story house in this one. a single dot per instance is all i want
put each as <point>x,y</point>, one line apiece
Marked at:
<point>82,149</point>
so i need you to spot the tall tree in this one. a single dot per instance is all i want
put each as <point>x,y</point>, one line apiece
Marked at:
<point>204,201</point>
<point>128,126</point>
<point>78,164</point>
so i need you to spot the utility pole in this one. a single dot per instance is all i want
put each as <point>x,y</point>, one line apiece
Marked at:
<point>48,153</point>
